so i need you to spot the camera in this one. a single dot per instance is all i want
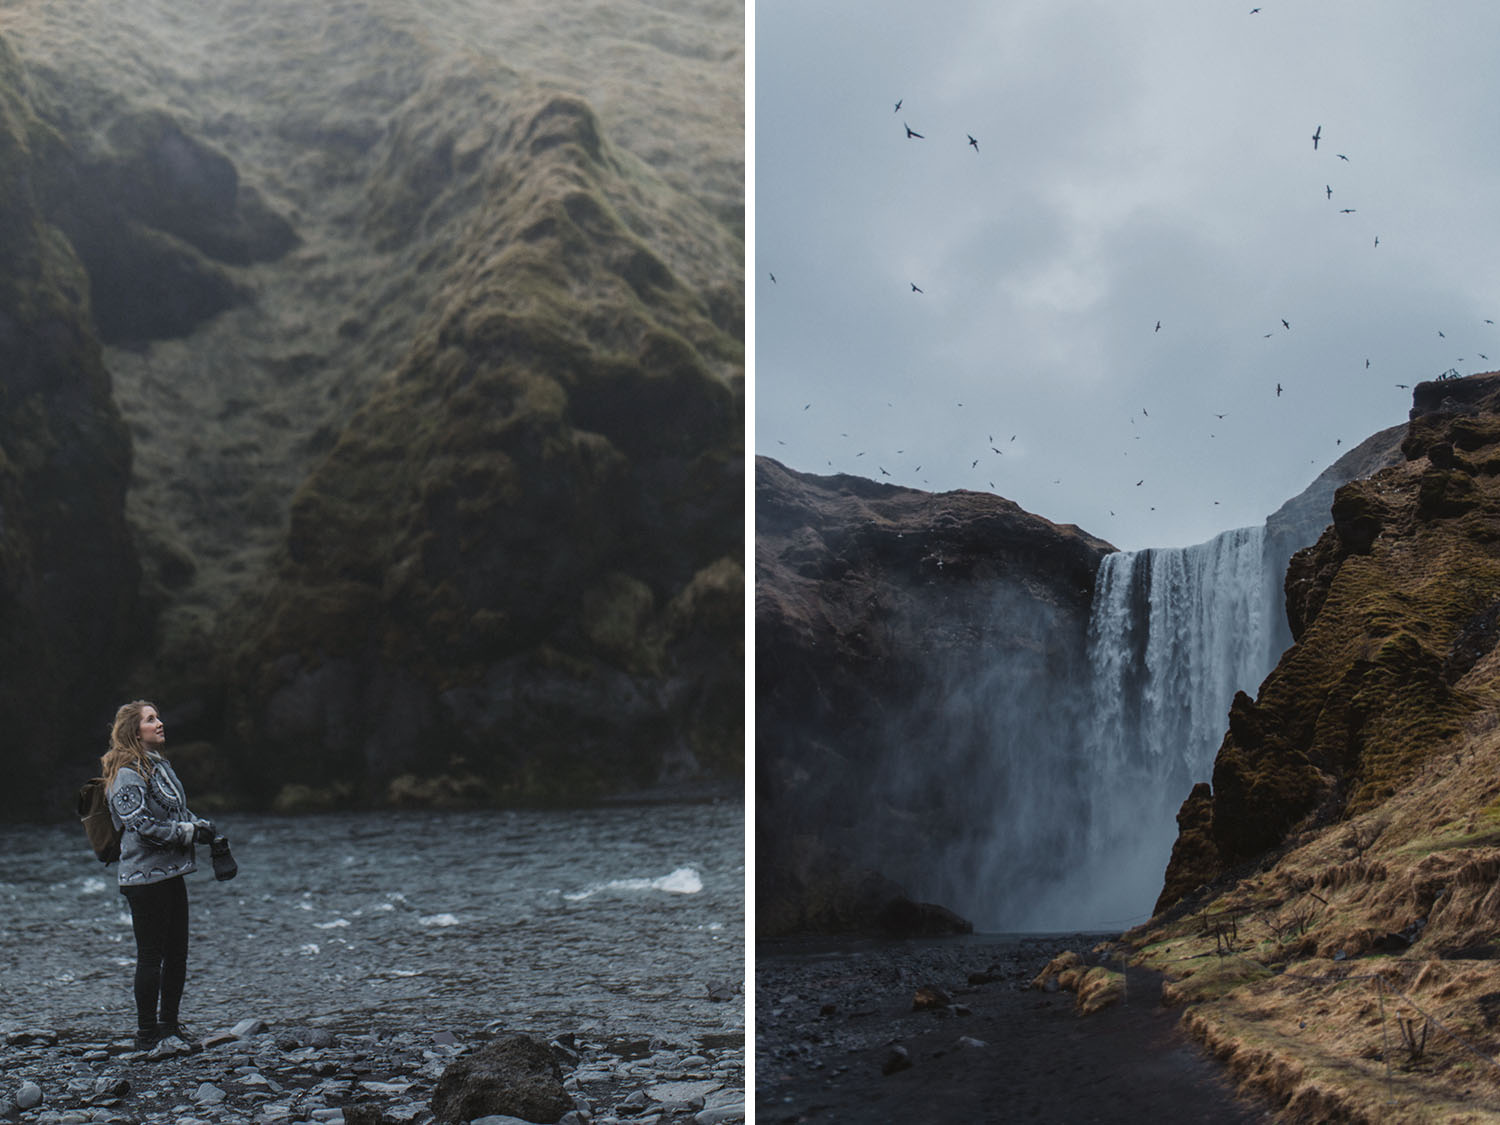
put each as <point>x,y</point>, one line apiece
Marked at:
<point>224,865</point>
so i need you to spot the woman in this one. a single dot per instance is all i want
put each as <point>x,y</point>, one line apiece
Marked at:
<point>147,803</point>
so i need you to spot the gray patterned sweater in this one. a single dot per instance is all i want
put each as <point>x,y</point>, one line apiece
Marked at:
<point>157,839</point>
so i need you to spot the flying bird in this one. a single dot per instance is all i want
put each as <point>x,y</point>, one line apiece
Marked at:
<point>1285,325</point>
<point>1342,157</point>
<point>1316,137</point>
<point>898,105</point>
<point>972,142</point>
<point>1329,189</point>
<point>1347,211</point>
<point>1158,326</point>
<point>914,288</point>
<point>808,406</point>
<point>1140,482</point>
<point>1220,415</point>
<point>1278,390</point>
<point>1377,240</point>
<point>910,133</point>
<point>882,469</point>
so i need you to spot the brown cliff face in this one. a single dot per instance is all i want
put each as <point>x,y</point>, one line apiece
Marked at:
<point>67,565</point>
<point>872,605</point>
<point>1334,897</point>
<point>1393,612</point>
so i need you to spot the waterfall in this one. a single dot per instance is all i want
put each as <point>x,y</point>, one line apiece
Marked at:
<point>1056,769</point>
<point>1173,634</point>
<point>1069,811</point>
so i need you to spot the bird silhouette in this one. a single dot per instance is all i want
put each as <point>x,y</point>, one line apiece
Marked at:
<point>972,142</point>
<point>1140,482</point>
<point>1329,189</point>
<point>1377,240</point>
<point>898,105</point>
<point>773,278</point>
<point>1347,211</point>
<point>1342,157</point>
<point>914,288</point>
<point>1316,136</point>
<point>1158,327</point>
<point>910,133</point>
<point>1220,415</point>
<point>1278,390</point>
<point>807,407</point>
<point>882,469</point>
<point>1285,325</point>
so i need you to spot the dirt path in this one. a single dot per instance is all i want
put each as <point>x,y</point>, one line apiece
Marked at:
<point>828,1020</point>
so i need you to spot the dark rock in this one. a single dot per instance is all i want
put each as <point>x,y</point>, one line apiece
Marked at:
<point>68,566</point>
<point>869,600</point>
<point>516,1076</point>
<point>899,1058</point>
<point>366,1113</point>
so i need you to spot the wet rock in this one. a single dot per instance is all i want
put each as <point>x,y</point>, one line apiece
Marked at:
<point>29,1096</point>
<point>899,1058</point>
<point>248,1027</point>
<point>720,1114</point>
<point>516,1076</point>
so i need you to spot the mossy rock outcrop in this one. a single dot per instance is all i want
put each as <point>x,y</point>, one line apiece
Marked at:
<point>523,548</point>
<point>1393,612</point>
<point>413,449</point>
<point>68,568</point>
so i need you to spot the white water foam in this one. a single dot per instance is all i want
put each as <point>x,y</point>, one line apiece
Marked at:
<point>682,881</point>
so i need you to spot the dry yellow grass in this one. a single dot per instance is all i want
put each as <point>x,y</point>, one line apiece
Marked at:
<point>1295,977</point>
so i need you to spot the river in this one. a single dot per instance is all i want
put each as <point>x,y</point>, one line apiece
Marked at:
<point>612,922</point>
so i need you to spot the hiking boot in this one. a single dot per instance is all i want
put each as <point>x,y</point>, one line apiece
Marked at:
<point>147,1037</point>
<point>174,1031</point>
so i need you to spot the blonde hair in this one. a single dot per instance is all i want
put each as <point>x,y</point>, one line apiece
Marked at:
<point>125,745</point>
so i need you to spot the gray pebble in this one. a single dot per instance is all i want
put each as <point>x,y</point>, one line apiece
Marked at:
<point>29,1096</point>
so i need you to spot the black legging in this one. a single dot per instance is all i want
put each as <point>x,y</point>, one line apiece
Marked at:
<point>159,916</point>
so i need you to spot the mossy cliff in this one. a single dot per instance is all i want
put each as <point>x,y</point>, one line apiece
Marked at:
<point>1337,880</point>
<point>521,556</point>
<point>422,370</point>
<point>68,568</point>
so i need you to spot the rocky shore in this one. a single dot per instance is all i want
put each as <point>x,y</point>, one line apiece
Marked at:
<point>952,1030</point>
<point>260,1074</point>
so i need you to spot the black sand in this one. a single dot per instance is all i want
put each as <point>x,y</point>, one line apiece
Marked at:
<point>827,1018</point>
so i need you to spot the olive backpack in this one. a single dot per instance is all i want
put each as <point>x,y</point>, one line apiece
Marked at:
<point>98,825</point>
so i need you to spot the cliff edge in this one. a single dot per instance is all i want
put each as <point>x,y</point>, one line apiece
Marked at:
<point>1329,915</point>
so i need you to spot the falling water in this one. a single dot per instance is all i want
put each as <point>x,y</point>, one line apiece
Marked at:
<point>1173,634</point>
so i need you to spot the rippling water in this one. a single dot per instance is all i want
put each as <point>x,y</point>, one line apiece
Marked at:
<point>610,921</point>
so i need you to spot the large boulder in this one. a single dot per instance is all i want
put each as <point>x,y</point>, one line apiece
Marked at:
<point>516,1076</point>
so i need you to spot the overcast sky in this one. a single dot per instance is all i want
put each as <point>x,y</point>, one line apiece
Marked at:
<point>1137,162</point>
